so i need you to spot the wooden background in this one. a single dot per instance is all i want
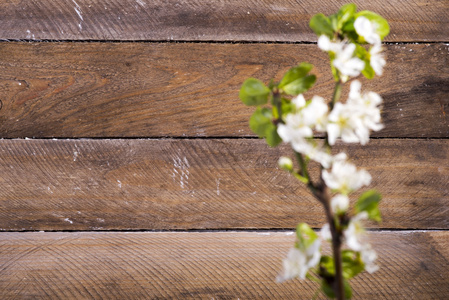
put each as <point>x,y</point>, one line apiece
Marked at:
<point>128,169</point>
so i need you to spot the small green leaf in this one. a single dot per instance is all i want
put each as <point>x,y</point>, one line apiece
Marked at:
<point>286,106</point>
<point>327,264</point>
<point>352,263</point>
<point>381,25</point>
<point>262,125</point>
<point>327,290</point>
<point>260,121</point>
<point>295,73</point>
<point>300,85</point>
<point>345,13</point>
<point>348,290</point>
<point>253,92</point>
<point>369,202</point>
<point>273,139</point>
<point>305,235</point>
<point>321,24</point>
<point>364,55</point>
<point>334,22</point>
<point>368,71</point>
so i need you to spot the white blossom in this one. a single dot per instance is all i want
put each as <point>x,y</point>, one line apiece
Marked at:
<point>347,63</point>
<point>339,203</point>
<point>325,44</point>
<point>355,231</point>
<point>317,154</point>
<point>315,114</point>
<point>367,30</point>
<point>377,60</point>
<point>342,123</point>
<point>365,106</point>
<point>353,120</point>
<point>299,101</point>
<point>369,256</point>
<point>298,262</point>
<point>298,128</point>
<point>344,177</point>
<point>325,232</point>
<point>285,163</point>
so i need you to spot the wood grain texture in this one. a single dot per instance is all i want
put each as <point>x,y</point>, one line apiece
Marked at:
<point>194,20</point>
<point>154,90</point>
<point>220,265</point>
<point>202,184</point>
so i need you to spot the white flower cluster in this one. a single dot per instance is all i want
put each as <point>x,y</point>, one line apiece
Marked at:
<point>299,126</point>
<point>298,262</point>
<point>353,235</point>
<point>352,121</point>
<point>345,61</point>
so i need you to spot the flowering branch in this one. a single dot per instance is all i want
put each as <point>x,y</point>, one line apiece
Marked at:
<point>353,42</point>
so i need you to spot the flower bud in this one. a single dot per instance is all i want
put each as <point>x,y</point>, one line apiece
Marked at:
<point>339,204</point>
<point>285,163</point>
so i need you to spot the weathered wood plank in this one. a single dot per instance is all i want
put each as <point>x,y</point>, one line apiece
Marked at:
<point>194,20</point>
<point>202,184</point>
<point>153,90</point>
<point>220,265</point>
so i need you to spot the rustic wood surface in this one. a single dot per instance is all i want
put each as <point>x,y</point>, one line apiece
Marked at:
<point>194,20</point>
<point>202,184</point>
<point>154,90</point>
<point>204,265</point>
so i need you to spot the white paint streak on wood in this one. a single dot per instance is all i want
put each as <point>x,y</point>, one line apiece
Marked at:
<point>79,13</point>
<point>141,3</point>
<point>181,169</point>
<point>218,186</point>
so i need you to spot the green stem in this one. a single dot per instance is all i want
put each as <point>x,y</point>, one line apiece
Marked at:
<point>336,241</point>
<point>303,165</point>
<point>336,95</point>
<point>277,103</point>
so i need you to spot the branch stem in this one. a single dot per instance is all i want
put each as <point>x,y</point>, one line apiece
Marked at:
<point>325,198</point>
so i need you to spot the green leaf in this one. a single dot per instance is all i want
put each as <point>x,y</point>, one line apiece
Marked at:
<point>253,92</point>
<point>368,71</point>
<point>345,14</point>
<point>369,202</point>
<point>286,106</point>
<point>334,22</point>
<point>348,290</point>
<point>260,121</point>
<point>352,263</point>
<point>262,125</point>
<point>327,264</point>
<point>273,139</point>
<point>300,85</point>
<point>327,290</point>
<point>295,73</point>
<point>381,25</point>
<point>305,235</point>
<point>321,24</point>
<point>364,55</point>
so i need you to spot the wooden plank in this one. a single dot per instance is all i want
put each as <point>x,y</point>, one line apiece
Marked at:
<point>195,20</point>
<point>202,184</point>
<point>154,90</point>
<point>220,265</point>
